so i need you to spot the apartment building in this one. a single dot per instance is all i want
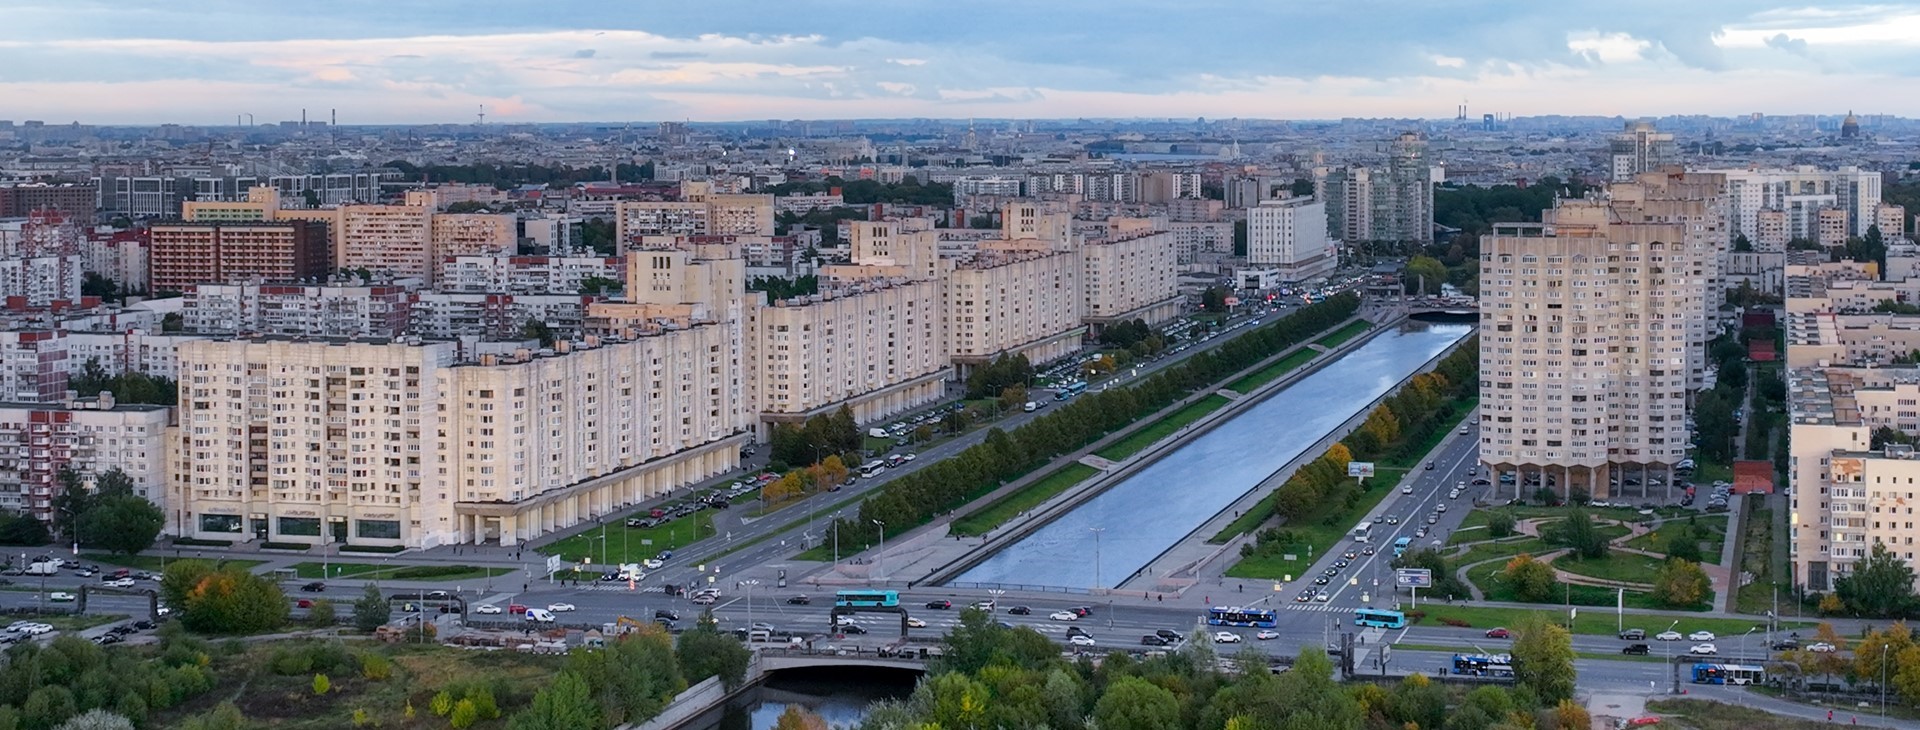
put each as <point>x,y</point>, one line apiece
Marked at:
<point>1847,495</point>
<point>876,345</point>
<point>120,255</point>
<point>1018,297</point>
<point>1830,230</point>
<point>393,239</point>
<point>22,199</point>
<point>41,260</point>
<point>526,274</point>
<point>1891,220</point>
<point>1800,193</point>
<point>189,253</point>
<point>1638,149</point>
<point>635,218</point>
<point>132,350</point>
<point>1587,356</point>
<point>1130,273</point>
<point>1290,234</point>
<point>33,366</point>
<point>310,310</point>
<point>448,315</point>
<point>89,436</point>
<point>472,234</point>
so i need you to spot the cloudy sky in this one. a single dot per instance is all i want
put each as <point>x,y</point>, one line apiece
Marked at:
<point>379,61</point>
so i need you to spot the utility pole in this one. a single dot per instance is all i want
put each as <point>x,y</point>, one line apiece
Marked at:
<point>1096,554</point>
<point>880,559</point>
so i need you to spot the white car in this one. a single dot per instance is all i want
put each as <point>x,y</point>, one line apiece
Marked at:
<point>1407,489</point>
<point>1323,597</point>
<point>486,608</point>
<point>916,623</point>
<point>1266,634</point>
<point>1080,640</point>
<point>843,620</point>
<point>60,596</point>
<point>1700,636</point>
<point>1821,647</point>
<point>986,605</point>
<point>1668,636</point>
<point>1704,649</point>
<point>651,564</point>
<point>1064,616</point>
<point>36,629</point>
<point>560,607</point>
<point>1226,637</point>
<point>121,583</point>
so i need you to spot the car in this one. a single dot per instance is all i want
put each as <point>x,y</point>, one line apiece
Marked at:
<point>940,605</point>
<point>1636,649</point>
<point>1785,645</point>
<point>1668,636</point>
<point>1633,635</point>
<point>916,623</point>
<point>1703,649</point>
<point>1350,555</point>
<point>144,625</point>
<point>1378,520</point>
<point>1429,466</point>
<point>799,600</point>
<point>1422,532</point>
<point>486,608</point>
<point>761,626</point>
<point>666,613</point>
<point>560,607</point>
<point>120,583</point>
<point>1321,580</point>
<point>60,596</point>
<point>1368,550</point>
<point>1323,597</point>
<point>1151,640</point>
<point>1393,520</point>
<point>303,603</point>
<point>1080,640</point>
<point>651,564</point>
<point>1341,564</point>
<point>1407,489</point>
<point>1330,572</point>
<point>314,587</point>
<point>1432,519</point>
<point>1304,596</point>
<point>1821,647</point>
<point>1482,482</point>
<point>986,605</point>
<point>1455,494</point>
<point>1169,634</point>
<point>105,639</point>
<point>1077,631</point>
<point>1499,633</point>
<point>1701,636</point>
<point>1441,508</point>
<point>1266,634</point>
<point>843,620</point>
<point>1225,637</point>
<point>1064,616</point>
<point>852,629</point>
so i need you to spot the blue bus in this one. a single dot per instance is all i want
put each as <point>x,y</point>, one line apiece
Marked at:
<point>1380,618</point>
<point>1258,617</point>
<point>1483,665</point>
<point>1070,391</point>
<point>1400,546</point>
<point>1728,674</point>
<point>867,599</point>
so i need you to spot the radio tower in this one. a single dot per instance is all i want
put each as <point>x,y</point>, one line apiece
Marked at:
<point>482,118</point>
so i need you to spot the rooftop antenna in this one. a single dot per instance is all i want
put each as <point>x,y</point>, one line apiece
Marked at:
<point>482,118</point>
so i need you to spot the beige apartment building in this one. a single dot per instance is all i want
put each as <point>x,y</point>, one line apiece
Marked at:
<point>876,345</point>
<point>472,234</point>
<point>396,239</point>
<point>1832,227</point>
<point>635,218</point>
<point>1015,297</point>
<point>1585,365</point>
<point>1845,495</point>
<point>740,215</point>
<point>1131,273</point>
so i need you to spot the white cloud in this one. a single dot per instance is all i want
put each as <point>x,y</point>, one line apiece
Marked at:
<point>1448,61</point>
<point>907,61</point>
<point>1608,47</point>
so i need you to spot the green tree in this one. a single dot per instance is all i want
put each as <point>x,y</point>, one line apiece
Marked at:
<point>1531,580</point>
<point>224,717</point>
<point>121,523</point>
<point>465,714</point>
<point>22,529</point>
<point>1682,544</point>
<point>1880,587</point>
<point>796,717</point>
<point>1132,703</point>
<point>705,652</point>
<point>321,614</point>
<point>72,500</point>
<point>1681,584</point>
<point>1425,274</point>
<point>1543,659</point>
<point>371,610</point>
<point>223,599</point>
<point>567,704</point>
<point>1578,533</point>
<point>97,719</point>
<point>1500,523</point>
<point>534,329</point>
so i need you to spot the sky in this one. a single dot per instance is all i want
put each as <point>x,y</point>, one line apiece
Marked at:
<point>428,61</point>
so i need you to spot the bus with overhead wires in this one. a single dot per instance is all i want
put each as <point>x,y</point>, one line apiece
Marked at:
<point>1483,665</point>
<point>867,599</point>
<point>1363,532</point>
<point>1380,618</point>
<point>1236,616</point>
<point>1400,546</point>
<point>1069,391</point>
<point>1728,674</point>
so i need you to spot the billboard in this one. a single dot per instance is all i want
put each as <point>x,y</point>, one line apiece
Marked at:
<point>1413,577</point>
<point>1361,469</point>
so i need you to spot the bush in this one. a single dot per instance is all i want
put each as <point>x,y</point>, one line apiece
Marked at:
<point>196,542</point>
<point>321,615</point>
<point>291,663</point>
<point>1450,621</point>
<point>372,549</point>
<point>321,684</point>
<point>441,704</point>
<point>285,546</point>
<point>464,715</point>
<point>375,666</point>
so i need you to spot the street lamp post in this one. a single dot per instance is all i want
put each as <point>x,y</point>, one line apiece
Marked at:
<point>1883,684</point>
<point>1670,669</point>
<point>1743,641</point>
<point>746,587</point>
<point>836,539</point>
<point>880,558</point>
<point>1096,554</point>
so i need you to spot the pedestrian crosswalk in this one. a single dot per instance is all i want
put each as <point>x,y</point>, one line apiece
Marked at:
<point>1318,608</point>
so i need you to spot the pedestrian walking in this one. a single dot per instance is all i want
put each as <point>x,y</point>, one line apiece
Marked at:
<point>1829,715</point>
<point>1243,588</point>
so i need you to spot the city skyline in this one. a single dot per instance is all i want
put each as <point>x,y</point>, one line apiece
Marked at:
<point>123,63</point>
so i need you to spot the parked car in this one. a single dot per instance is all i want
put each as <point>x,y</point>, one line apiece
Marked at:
<point>1785,645</point>
<point>1821,647</point>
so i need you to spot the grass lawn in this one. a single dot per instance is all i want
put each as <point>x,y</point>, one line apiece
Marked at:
<point>633,542</point>
<point>1592,621</point>
<point>1487,577</point>
<point>1269,373</point>
<point>1322,535</point>
<point>1757,558</point>
<point>1710,548</point>
<point>1628,567</point>
<point>1345,333</point>
<point>373,571</point>
<point>78,622</point>
<point>1142,438</point>
<point>1033,495</point>
<point>156,563</point>
<point>1707,715</point>
<point>1506,548</point>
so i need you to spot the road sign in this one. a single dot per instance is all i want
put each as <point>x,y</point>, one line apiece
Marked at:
<point>1361,469</point>
<point>553,563</point>
<point>1413,577</point>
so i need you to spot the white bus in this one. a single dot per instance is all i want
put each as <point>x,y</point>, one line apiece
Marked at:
<point>871,468</point>
<point>1363,532</point>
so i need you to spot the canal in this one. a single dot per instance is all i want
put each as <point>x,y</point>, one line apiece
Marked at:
<point>1139,518</point>
<point>839,696</point>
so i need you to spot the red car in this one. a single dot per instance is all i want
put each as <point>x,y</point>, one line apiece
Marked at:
<point>305,603</point>
<point>516,608</point>
<point>1499,634</point>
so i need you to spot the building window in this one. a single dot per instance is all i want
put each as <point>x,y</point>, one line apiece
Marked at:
<point>300,526</point>
<point>378,529</point>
